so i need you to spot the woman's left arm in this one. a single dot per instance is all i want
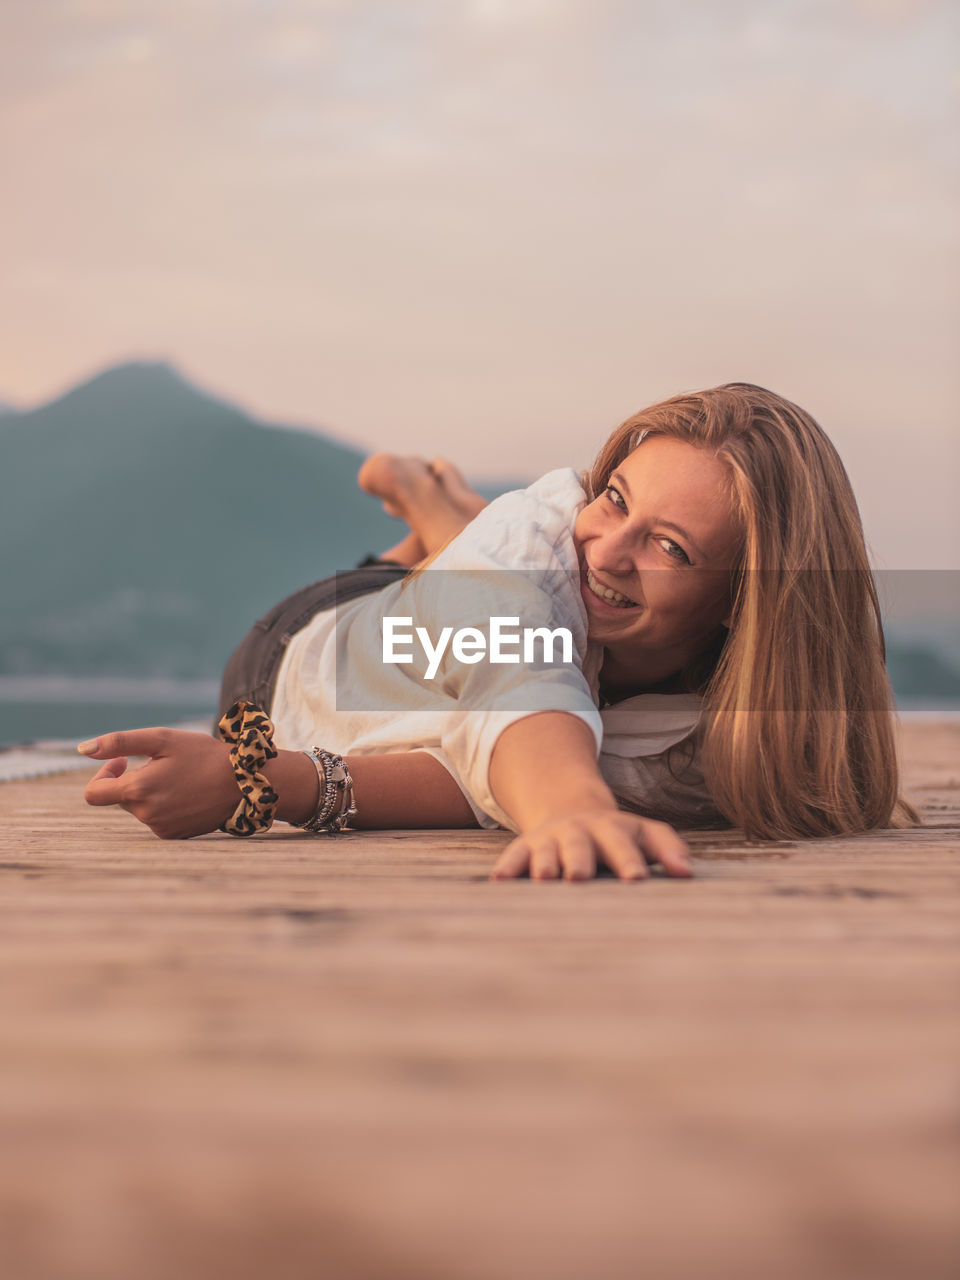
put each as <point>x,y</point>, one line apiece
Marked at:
<point>543,773</point>
<point>187,787</point>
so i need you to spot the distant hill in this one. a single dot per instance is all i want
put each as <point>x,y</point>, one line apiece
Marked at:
<point>144,524</point>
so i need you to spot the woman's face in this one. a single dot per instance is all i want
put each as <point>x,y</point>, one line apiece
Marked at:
<point>664,538</point>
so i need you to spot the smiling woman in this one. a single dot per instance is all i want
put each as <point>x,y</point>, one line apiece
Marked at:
<point>658,548</point>
<point>797,734</point>
<point>727,661</point>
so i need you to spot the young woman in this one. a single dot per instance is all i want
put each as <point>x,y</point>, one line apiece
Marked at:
<point>713,553</point>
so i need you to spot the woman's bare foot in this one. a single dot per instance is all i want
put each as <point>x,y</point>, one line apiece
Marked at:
<point>434,499</point>
<point>458,488</point>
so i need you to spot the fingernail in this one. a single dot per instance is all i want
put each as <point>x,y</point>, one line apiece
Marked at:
<point>90,747</point>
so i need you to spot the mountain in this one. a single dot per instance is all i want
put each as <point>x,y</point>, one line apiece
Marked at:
<point>144,524</point>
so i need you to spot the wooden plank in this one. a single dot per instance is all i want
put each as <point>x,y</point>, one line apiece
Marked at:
<point>356,1057</point>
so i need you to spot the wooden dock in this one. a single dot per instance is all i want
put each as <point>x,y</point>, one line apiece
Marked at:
<point>357,1059</point>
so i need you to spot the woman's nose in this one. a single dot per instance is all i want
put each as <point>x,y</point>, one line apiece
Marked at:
<point>613,552</point>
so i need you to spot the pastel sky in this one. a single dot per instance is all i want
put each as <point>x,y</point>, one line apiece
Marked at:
<point>494,228</point>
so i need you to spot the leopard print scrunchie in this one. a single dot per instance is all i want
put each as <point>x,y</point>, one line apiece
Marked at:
<point>249,731</point>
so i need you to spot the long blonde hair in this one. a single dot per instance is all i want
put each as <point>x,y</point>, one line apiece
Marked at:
<point>797,737</point>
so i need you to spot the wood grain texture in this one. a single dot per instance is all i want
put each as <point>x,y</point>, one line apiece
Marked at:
<point>357,1058</point>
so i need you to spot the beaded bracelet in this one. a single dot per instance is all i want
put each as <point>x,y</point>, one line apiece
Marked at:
<point>249,731</point>
<point>335,803</point>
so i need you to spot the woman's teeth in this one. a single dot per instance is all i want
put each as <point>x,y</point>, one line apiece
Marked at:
<point>608,594</point>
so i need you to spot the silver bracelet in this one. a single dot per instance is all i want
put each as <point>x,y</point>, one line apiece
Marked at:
<point>335,804</point>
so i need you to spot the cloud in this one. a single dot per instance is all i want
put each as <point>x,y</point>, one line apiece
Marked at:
<point>522,216</point>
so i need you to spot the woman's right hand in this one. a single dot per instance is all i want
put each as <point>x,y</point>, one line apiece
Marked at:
<point>573,845</point>
<point>186,788</point>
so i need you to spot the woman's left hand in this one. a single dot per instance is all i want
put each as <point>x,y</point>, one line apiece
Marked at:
<point>573,845</point>
<point>186,788</point>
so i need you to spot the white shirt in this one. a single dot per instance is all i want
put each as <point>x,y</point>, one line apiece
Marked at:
<point>516,558</point>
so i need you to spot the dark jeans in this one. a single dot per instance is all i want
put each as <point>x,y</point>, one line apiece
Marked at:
<point>251,673</point>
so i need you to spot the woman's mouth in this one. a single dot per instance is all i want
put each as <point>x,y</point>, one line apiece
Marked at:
<point>607,595</point>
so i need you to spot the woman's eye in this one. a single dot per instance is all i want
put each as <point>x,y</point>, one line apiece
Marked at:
<point>674,550</point>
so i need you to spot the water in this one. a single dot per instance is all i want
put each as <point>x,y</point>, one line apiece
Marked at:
<point>36,708</point>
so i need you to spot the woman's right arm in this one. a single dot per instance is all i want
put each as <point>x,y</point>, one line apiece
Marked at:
<point>187,787</point>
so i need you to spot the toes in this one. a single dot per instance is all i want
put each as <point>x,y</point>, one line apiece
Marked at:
<point>456,486</point>
<point>449,474</point>
<point>391,478</point>
<point>378,474</point>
